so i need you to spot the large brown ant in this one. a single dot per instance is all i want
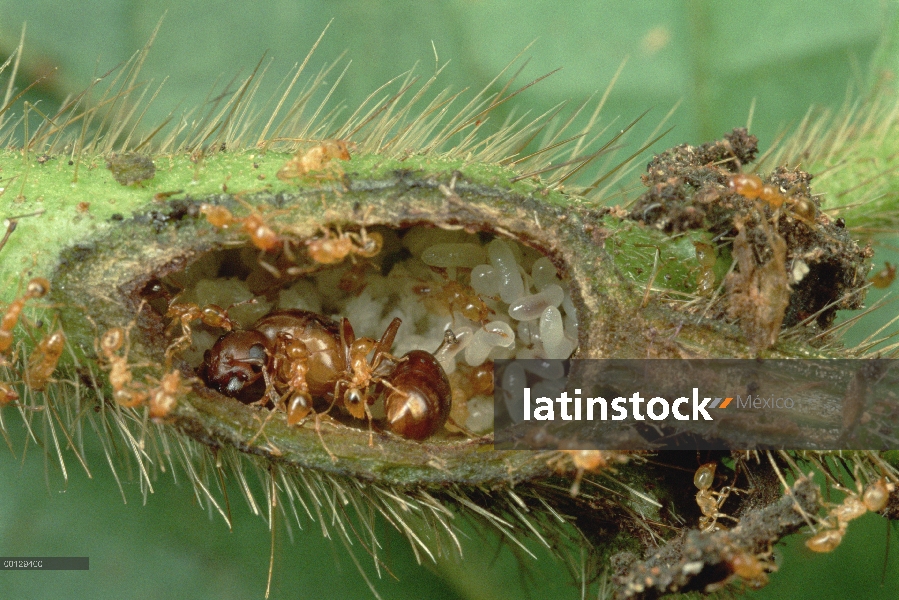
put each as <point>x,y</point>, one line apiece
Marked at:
<point>234,365</point>
<point>417,391</point>
<point>250,364</point>
<point>418,396</point>
<point>319,334</point>
<point>302,357</point>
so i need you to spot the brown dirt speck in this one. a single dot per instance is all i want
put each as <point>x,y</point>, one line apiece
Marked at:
<point>130,168</point>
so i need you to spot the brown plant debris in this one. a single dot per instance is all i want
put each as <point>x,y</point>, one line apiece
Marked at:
<point>758,293</point>
<point>708,561</point>
<point>694,188</point>
<point>129,168</point>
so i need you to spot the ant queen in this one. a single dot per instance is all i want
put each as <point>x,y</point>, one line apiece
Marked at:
<point>303,360</point>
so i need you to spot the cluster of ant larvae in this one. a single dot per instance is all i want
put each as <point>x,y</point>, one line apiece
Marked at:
<point>495,297</point>
<point>533,315</point>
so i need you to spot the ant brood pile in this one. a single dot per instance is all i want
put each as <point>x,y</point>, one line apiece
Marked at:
<point>401,329</point>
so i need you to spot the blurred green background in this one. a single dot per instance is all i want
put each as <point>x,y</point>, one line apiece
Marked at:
<point>714,58</point>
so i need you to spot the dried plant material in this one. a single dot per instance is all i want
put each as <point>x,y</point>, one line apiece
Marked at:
<point>759,293</point>
<point>129,168</point>
<point>704,188</point>
<point>704,561</point>
<point>706,256</point>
